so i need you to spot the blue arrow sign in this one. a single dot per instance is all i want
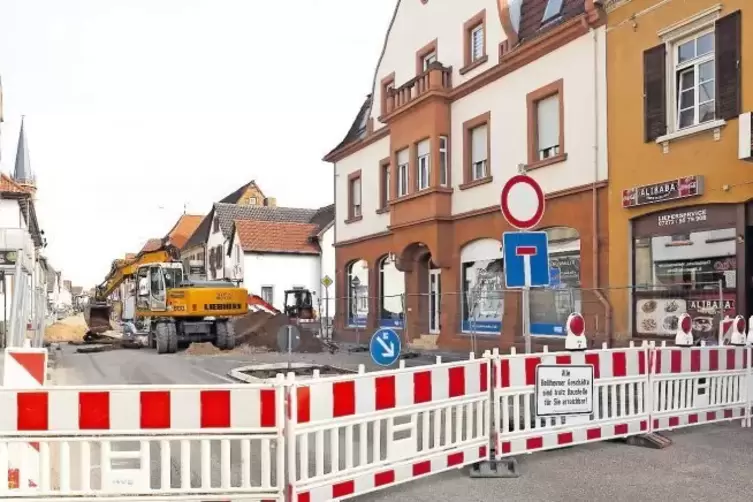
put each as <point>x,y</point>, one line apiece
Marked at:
<point>384,347</point>
<point>526,256</point>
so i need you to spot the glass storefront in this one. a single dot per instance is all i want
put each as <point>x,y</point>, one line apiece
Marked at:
<point>481,267</point>
<point>391,295</point>
<point>687,264</point>
<point>358,293</point>
<point>550,307</point>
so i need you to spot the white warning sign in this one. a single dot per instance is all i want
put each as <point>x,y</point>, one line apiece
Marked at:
<point>564,390</point>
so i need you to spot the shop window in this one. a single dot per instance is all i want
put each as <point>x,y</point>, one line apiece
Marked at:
<point>391,294</point>
<point>551,306</point>
<point>698,278</point>
<point>358,293</point>
<point>481,267</point>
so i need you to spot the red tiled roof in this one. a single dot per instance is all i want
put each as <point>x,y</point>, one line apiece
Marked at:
<point>7,185</point>
<point>276,236</point>
<point>183,229</point>
<point>152,245</point>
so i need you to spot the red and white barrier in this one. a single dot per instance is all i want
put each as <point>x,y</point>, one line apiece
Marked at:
<point>24,368</point>
<point>348,435</point>
<point>620,381</point>
<point>397,426</point>
<point>133,409</point>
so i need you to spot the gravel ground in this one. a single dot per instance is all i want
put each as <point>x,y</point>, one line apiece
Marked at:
<point>705,463</point>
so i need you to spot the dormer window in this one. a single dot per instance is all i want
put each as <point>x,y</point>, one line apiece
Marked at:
<point>429,59</point>
<point>552,11</point>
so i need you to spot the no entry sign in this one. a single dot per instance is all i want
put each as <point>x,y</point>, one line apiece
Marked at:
<point>522,202</point>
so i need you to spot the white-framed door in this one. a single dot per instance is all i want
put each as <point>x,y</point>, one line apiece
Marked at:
<point>435,296</point>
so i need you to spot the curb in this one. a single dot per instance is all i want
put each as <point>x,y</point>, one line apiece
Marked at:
<point>239,374</point>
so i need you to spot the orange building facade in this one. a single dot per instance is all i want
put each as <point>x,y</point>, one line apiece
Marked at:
<point>680,177</point>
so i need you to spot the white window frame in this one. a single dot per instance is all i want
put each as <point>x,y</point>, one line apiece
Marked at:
<point>429,59</point>
<point>272,293</point>
<point>402,176</point>
<point>356,208</point>
<point>443,162</point>
<point>423,169</point>
<point>480,167</point>
<point>673,36</point>
<point>480,31</point>
<point>678,68</point>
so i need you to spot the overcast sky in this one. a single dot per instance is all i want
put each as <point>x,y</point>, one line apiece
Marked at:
<point>137,107</point>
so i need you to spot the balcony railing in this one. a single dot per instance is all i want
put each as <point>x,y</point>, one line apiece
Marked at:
<point>435,78</point>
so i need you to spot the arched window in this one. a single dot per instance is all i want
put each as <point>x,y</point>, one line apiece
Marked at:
<point>551,306</point>
<point>358,293</point>
<point>391,294</point>
<point>482,279</point>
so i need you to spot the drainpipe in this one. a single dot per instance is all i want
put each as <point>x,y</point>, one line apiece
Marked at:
<point>594,198</point>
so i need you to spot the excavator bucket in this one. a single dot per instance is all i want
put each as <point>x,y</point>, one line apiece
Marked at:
<point>97,317</point>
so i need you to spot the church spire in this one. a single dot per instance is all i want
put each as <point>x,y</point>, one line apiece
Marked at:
<point>22,173</point>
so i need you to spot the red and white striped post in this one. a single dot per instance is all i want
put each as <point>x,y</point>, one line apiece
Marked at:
<point>24,368</point>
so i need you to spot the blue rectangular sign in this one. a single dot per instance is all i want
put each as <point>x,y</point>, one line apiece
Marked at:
<point>516,246</point>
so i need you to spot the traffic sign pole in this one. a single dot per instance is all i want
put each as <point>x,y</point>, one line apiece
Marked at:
<point>522,202</point>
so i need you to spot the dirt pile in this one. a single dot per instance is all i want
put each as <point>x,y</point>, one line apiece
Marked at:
<point>259,329</point>
<point>71,329</point>
<point>202,349</point>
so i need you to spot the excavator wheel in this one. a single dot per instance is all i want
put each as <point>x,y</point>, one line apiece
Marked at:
<point>225,335</point>
<point>167,337</point>
<point>172,337</point>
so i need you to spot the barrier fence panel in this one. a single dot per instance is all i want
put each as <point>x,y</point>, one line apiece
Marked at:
<point>351,435</point>
<point>697,385</point>
<point>138,442</point>
<point>620,404</point>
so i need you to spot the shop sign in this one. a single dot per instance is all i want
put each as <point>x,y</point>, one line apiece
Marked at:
<point>682,217</point>
<point>680,188</point>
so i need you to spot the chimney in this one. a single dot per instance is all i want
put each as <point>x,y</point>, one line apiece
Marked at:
<point>270,202</point>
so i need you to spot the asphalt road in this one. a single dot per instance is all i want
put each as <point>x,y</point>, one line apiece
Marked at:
<point>705,463</point>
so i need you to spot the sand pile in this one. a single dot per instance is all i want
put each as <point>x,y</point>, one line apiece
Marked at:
<point>71,329</point>
<point>202,349</point>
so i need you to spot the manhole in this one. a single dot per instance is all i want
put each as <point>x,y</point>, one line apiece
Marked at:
<point>266,372</point>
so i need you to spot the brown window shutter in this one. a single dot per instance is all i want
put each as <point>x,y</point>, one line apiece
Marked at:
<point>728,81</point>
<point>654,93</point>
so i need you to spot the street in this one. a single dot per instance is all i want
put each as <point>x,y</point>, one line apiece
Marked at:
<point>705,463</point>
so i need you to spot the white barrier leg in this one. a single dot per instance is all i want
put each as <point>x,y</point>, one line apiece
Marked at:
<point>493,467</point>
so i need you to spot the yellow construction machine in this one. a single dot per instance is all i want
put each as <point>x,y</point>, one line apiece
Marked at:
<point>177,311</point>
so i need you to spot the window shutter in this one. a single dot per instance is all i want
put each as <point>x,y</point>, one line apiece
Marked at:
<point>356,195</point>
<point>402,156</point>
<point>654,93</point>
<point>423,148</point>
<point>478,143</point>
<point>548,122</point>
<point>727,33</point>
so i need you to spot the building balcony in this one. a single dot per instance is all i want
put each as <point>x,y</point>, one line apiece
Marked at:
<point>435,81</point>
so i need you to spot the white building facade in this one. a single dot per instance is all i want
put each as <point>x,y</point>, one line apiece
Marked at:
<point>465,96</point>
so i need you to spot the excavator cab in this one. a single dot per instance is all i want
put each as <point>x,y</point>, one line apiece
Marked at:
<point>299,304</point>
<point>153,282</point>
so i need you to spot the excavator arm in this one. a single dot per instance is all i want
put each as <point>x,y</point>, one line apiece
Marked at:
<point>97,313</point>
<point>123,269</point>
